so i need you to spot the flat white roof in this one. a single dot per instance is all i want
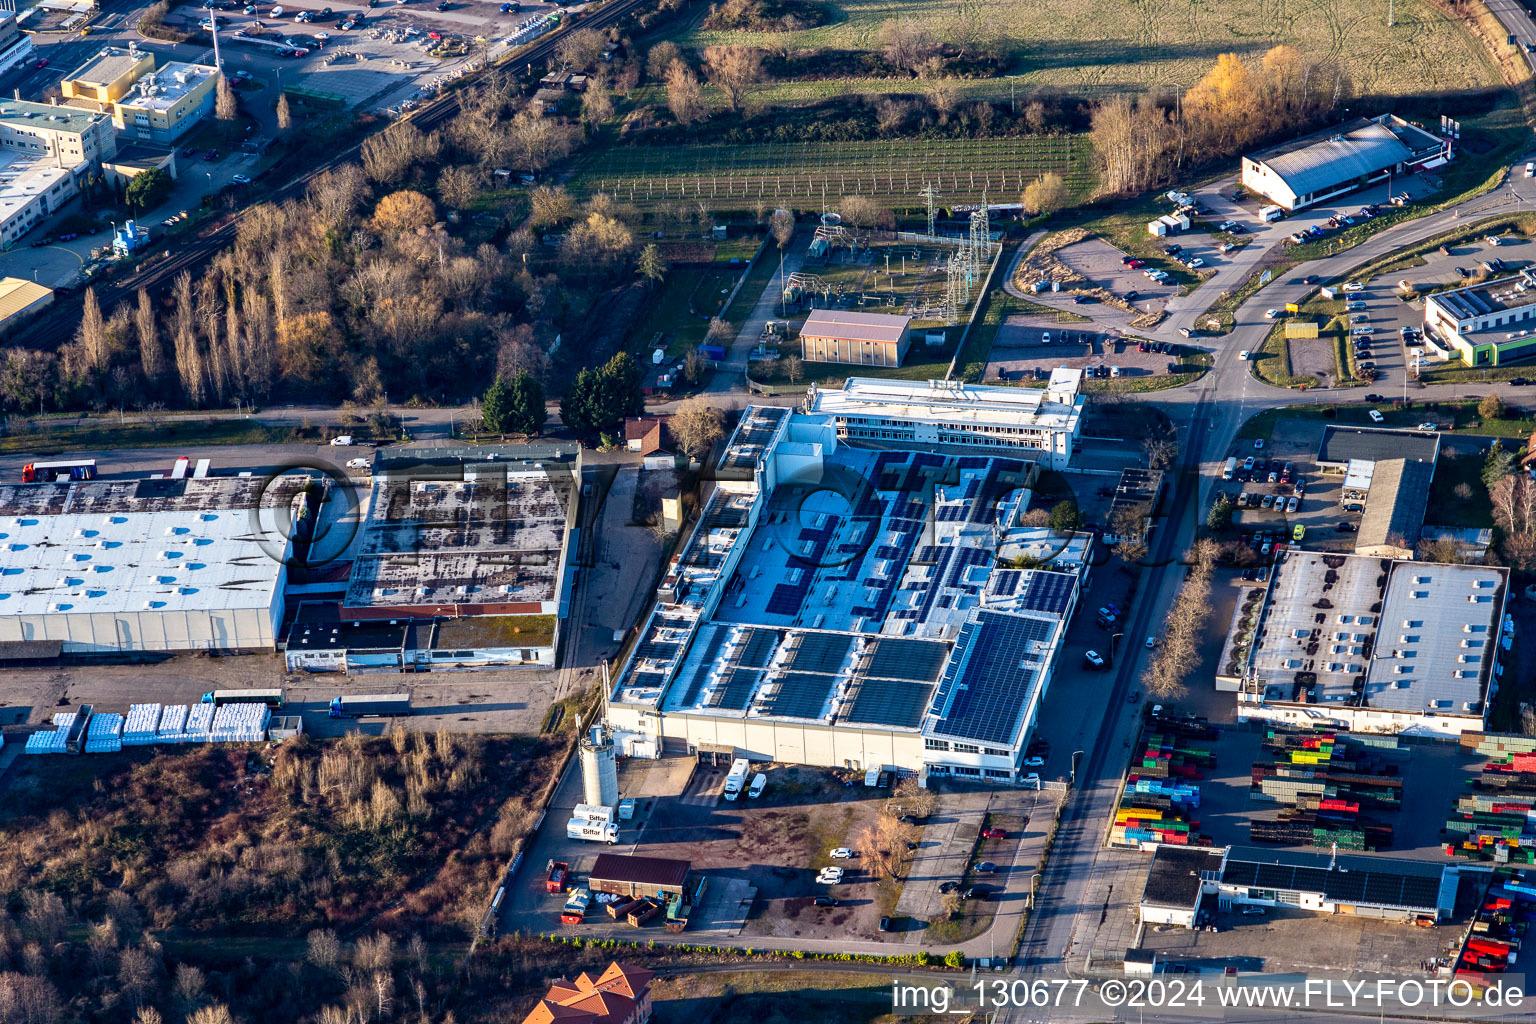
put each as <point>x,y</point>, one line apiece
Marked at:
<point>940,401</point>
<point>99,548</point>
<point>24,177</point>
<point>163,89</point>
<point>1399,636</point>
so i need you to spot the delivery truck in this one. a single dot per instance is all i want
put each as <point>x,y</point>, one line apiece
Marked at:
<point>593,812</point>
<point>371,705</point>
<point>737,778</point>
<point>592,831</point>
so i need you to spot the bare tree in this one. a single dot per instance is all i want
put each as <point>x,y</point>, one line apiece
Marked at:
<point>189,361</point>
<point>1045,195</point>
<point>92,332</point>
<point>580,49</point>
<point>1179,653</point>
<point>782,227</point>
<point>684,96</point>
<point>731,69</point>
<point>697,425</point>
<point>151,352</point>
<point>538,142</point>
<point>284,114</point>
<point>596,104</point>
<point>389,156</point>
<point>907,44</point>
<point>334,195</point>
<point>323,949</point>
<point>460,186</point>
<point>225,108</point>
<point>661,58</point>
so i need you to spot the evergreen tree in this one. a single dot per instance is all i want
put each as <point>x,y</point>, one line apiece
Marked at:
<point>576,406</point>
<point>527,412</point>
<point>496,407</point>
<point>1065,517</point>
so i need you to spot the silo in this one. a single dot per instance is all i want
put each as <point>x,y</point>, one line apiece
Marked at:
<point>599,769</point>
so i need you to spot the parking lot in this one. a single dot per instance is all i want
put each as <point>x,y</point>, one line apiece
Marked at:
<point>1030,346</point>
<point>1102,264</point>
<point>1317,496</point>
<point>395,53</point>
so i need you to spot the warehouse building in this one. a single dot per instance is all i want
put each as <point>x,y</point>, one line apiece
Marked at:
<point>1375,645</point>
<point>460,533</point>
<point>1343,445</point>
<point>1394,508</point>
<point>1340,159</point>
<point>1181,879</point>
<point>20,299</point>
<point>1025,423</point>
<point>864,339</point>
<point>845,607</point>
<point>1178,880</point>
<point>1486,324</point>
<point>144,565</point>
<point>625,875</point>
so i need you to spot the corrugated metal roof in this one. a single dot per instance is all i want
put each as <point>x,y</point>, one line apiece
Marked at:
<point>618,867</point>
<point>1320,163</point>
<point>16,295</point>
<point>830,323</point>
<point>1395,505</point>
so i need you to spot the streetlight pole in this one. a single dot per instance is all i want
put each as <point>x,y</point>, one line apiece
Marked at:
<point>1075,755</point>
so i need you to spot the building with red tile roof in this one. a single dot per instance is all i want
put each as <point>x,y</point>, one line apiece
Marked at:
<point>620,995</point>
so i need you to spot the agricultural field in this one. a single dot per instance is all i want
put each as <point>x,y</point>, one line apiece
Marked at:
<point>1104,46</point>
<point>892,172</point>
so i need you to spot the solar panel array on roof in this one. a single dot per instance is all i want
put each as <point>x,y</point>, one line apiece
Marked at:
<point>800,695</point>
<point>1382,884</point>
<point>758,647</point>
<point>1048,592</point>
<point>894,702</point>
<point>735,690</point>
<point>1005,582</point>
<point>987,695</point>
<point>907,659</point>
<point>819,652</point>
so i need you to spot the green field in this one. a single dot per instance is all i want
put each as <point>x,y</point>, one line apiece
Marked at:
<point>680,310</point>
<point>889,171</point>
<point>1092,47</point>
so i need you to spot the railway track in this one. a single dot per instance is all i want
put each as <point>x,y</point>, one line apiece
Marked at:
<point>59,326</point>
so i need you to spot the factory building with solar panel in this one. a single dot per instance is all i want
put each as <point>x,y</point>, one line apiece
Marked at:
<point>145,565</point>
<point>1374,645</point>
<point>843,606</point>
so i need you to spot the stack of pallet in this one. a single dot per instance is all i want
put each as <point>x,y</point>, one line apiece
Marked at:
<point>1325,824</point>
<point>1159,792</point>
<point>1312,767</point>
<point>1497,820</point>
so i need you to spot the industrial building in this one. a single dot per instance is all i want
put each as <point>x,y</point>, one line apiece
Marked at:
<point>1134,504</point>
<point>144,565</point>
<point>845,607</point>
<point>1486,324</point>
<point>864,339</point>
<point>1343,445</point>
<point>1180,879</point>
<point>15,45</point>
<point>475,539</point>
<point>20,299</point>
<point>46,151</point>
<point>1395,503</point>
<point>1026,423</point>
<point>107,76</point>
<point>157,106</point>
<point>1375,645</point>
<point>1340,159</point>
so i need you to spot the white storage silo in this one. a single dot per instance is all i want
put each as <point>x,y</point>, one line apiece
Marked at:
<point>599,768</point>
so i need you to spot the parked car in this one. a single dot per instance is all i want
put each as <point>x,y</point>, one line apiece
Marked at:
<point>948,887</point>
<point>240,179</point>
<point>885,922</point>
<point>1034,762</point>
<point>824,901</point>
<point>995,833</point>
<point>986,867</point>
<point>1353,286</point>
<point>1093,659</point>
<point>1347,528</point>
<point>1292,503</point>
<point>1429,426</point>
<point>1258,443</point>
<point>841,853</point>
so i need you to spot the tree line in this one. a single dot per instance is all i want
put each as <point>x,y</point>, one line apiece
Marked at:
<point>1146,140</point>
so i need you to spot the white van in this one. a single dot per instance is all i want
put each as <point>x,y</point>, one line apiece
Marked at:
<point>1268,214</point>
